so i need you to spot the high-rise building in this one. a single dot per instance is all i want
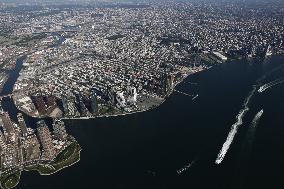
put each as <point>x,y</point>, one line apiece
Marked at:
<point>84,110</point>
<point>40,105</point>
<point>51,102</point>
<point>31,148</point>
<point>7,123</point>
<point>132,95</point>
<point>166,82</point>
<point>59,130</point>
<point>2,143</point>
<point>111,94</point>
<point>72,109</point>
<point>46,141</point>
<point>65,106</point>
<point>94,103</point>
<point>10,157</point>
<point>22,124</point>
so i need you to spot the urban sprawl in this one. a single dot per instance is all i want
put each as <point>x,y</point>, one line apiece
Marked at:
<point>103,59</point>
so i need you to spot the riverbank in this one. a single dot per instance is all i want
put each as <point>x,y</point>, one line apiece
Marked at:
<point>67,157</point>
<point>146,103</point>
<point>10,179</point>
<point>162,100</point>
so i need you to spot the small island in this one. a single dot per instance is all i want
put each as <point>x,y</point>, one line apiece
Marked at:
<point>26,149</point>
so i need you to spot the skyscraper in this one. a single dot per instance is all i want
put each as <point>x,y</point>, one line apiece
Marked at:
<point>166,82</point>
<point>2,143</point>
<point>94,103</point>
<point>22,124</point>
<point>59,130</point>
<point>65,106</point>
<point>7,123</point>
<point>46,141</point>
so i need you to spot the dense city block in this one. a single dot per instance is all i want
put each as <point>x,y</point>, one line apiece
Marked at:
<point>42,150</point>
<point>91,59</point>
<point>96,60</point>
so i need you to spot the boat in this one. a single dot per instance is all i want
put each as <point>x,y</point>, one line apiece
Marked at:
<point>261,89</point>
<point>195,97</point>
<point>180,171</point>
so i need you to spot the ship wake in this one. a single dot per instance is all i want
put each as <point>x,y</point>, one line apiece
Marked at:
<point>245,109</point>
<point>270,84</point>
<point>256,119</point>
<point>234,128</point>
<point>185,168</point>
<point>245,153</point>
<point>251,132</point>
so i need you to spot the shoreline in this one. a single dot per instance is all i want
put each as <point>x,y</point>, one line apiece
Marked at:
<point>47,174</point>
<point>139,111</point>
<point>15,184</point>
<point>163,99</point>
<point>50,164</point>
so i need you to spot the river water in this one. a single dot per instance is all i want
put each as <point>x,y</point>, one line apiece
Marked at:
<point>145,150</point>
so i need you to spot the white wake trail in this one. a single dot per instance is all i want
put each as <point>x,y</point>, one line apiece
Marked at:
<point>256,118</point>
<point>245,153</point>
<point>185,168</point>
<point>234,128</point>
<point>270,84</point>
